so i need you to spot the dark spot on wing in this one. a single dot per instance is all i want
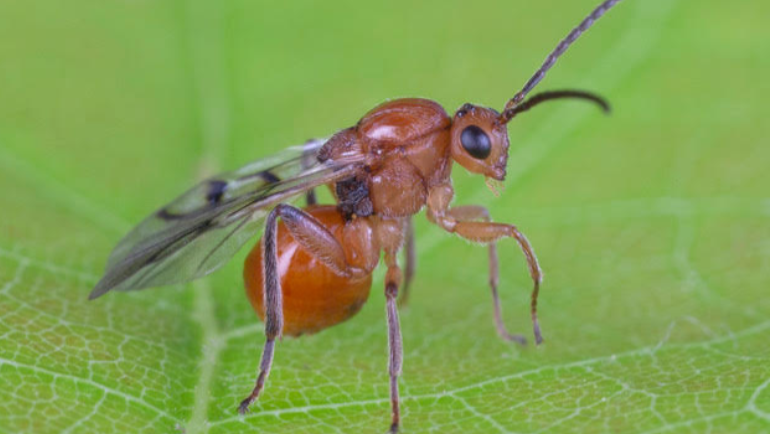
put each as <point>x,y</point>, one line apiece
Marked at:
<point>269,177</point>
<point>215,192</point>
<point>165,214</point>
<point>217,189</point>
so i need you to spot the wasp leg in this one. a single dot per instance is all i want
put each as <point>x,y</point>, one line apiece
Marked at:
<point>485,232</point>
<point>273,306</point>
<point>470,213</point>
<point>395,351</point>
<point>310,197</point>
<point>308,159</point>
<point>391,237</point>
<point>410,263</point>
<point>319,242</point>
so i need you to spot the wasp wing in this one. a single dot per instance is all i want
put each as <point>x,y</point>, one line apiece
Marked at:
<point>203,228</point>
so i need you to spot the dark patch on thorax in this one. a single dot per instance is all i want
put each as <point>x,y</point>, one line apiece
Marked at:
<point>353,195</point>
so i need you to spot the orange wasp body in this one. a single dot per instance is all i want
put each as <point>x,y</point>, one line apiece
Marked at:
<point>313,267</point>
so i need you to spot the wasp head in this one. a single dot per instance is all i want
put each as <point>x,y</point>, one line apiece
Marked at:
<point>479,141</point>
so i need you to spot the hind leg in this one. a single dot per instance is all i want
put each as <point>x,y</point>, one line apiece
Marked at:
<point>316,239</point>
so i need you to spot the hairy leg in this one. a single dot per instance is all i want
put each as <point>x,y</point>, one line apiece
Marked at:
<point>273,307</point>
<point>317,240</point>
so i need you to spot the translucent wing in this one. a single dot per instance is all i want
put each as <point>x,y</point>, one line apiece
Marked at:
<point>204,227</point>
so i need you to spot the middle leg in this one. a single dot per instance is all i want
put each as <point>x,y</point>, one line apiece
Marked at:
<point>391,237</point>
<point>395,351</point>
<point>308,159</point>
<point>410,263</point>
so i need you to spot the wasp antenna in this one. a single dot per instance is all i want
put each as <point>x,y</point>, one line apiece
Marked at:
<point>558,51</point>
<point>556,94</point>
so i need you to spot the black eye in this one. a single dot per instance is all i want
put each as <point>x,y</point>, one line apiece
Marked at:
<point>476,142</point>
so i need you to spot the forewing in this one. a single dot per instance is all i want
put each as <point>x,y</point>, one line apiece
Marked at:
<point>203,228</point>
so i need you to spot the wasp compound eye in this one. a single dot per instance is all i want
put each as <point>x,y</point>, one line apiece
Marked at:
<point>476,142</point>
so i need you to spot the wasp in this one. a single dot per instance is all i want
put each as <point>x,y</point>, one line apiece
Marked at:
<point>313,267</point>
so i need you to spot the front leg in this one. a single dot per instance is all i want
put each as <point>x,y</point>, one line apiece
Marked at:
<point>457,221</point>
<point>471,213</point>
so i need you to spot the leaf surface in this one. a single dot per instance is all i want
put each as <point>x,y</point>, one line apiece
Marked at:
<point>652,225</point>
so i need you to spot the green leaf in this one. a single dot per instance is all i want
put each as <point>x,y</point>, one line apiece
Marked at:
<point>652,225</point>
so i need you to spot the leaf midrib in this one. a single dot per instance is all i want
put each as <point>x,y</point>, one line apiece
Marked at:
<point>205,34</point>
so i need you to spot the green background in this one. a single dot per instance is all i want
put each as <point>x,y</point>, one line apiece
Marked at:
<point>652,225</point>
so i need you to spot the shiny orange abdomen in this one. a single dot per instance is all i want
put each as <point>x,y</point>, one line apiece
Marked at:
<point>314,297</point>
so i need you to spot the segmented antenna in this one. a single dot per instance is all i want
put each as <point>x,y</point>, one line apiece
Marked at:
<point>600,10</point>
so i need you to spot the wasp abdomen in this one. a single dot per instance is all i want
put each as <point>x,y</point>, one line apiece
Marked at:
<point>314,296</point>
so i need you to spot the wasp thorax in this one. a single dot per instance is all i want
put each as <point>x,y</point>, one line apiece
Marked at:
<point>480,141</point>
